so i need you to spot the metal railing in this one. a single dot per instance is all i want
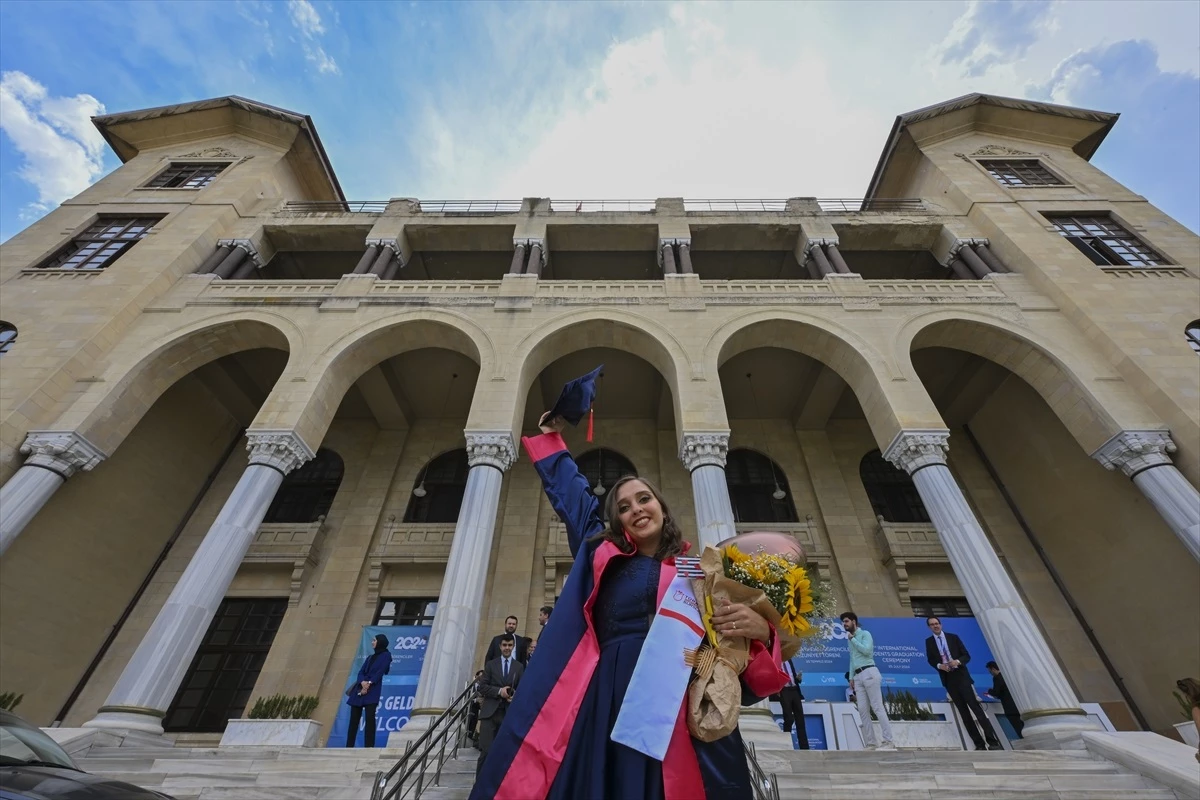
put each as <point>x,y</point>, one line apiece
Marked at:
<point>764,785</point>
<point>335,206</point>
<point>433,749</point>
<point>734,205</point>
<point>470,206</point>
<point>592,206</point>
<point>857,204</point>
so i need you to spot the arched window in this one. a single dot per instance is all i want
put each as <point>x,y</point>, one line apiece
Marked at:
<point>891,490</point>
<point>753,481</point>
<point>604,467</point>
<point>1192,332</point>
<point>8,335</point>
<point>444,481</point>
<point>308,491</point>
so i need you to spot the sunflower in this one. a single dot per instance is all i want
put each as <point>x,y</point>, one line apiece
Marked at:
<point>785,584</point>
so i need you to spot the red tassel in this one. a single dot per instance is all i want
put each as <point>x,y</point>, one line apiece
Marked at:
<point>590,425</point>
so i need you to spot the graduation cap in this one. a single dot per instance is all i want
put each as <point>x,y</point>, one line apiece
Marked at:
<point>576,400</point>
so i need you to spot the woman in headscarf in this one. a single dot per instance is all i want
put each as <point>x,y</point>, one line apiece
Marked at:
<point>557,739</point>
<point>363,694</point>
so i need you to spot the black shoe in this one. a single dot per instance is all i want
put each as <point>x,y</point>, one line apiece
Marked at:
<point>981,747</point>
<point>995,746</point>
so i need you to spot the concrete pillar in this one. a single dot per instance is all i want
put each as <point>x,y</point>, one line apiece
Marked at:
<point>685,258</point>
<point>148,684</point>
<point>53,456</point>
<point>1144,457</point>
<point>1049,706</point>
<point>823,266</point>
<point>974,262</point>
<point>811,267</point>
<point>231,262</point>
<point>392,269</point>
<point>518,259</point>
<point>989,258</point>
<point>246,271</point>
<point>449,656</point>
<point>215,258</point>
<point>368,258</point>
<point>960,270</point>
<point>382,261</point>
<point>835,256</point>
<point>666,251</point>
<point>535,259</point>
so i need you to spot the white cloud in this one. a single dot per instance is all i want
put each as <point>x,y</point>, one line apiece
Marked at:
<point>323,61</point>
<point>305,18</point>
<point>62,152</point>
<point>994,32</point>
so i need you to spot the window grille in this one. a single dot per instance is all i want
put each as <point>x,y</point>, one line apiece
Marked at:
<point>1020,172</point>
<point>445,479</point>
<point>1105,242</point>
<point>186,176</point>
<point>102,243</point>
<point>751,478</point>
<point>891,491</point>
<point>307,492</point>
<point>406,611</point>
<point>941,607</point>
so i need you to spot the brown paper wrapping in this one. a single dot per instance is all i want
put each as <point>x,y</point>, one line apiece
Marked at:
<point>715,703</point>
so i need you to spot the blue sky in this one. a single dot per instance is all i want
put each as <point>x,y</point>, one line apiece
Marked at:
<point>615,100</point>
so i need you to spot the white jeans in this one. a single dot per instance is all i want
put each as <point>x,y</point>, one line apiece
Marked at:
<point>868,690</point>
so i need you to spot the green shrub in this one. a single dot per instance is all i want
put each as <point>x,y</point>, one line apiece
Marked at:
<point>281,706</point>
<point>903,707</point>
<point>10,700</point>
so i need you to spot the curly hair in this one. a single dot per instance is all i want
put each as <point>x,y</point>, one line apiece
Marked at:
<point>671,543</point>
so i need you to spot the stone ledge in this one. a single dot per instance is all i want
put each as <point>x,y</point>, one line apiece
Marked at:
<point>1150,755</point>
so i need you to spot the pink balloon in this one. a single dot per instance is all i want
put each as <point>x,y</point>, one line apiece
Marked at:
<point>772,542</point>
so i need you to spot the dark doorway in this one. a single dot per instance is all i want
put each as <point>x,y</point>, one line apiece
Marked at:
<point>222,675</point>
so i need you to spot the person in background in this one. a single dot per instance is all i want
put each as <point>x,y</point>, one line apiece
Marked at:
<point>473,710</point>
<point>869,684</point>
<point>510,629</point>
<point>948,655</point>
<point>529,653</point>
<point>501,677</point>
<point>543,617</point>
<point>1000,691</point>
<point>363,695</point>
<point>791,700</point>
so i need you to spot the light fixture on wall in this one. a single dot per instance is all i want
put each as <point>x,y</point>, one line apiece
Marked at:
<point>599,489</point>
<point>779,493</point>
<point>420,491</point>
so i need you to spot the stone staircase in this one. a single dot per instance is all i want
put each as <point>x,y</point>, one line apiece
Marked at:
<point>294,773</point>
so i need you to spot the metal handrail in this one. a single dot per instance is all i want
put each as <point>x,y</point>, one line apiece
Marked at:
<point>344,206</point>
<point>470,206</point>
<point>591,206</point>
<point>764,785</point>
<point>856,204</point>
<point>447,731</point>
<point>734,205</point>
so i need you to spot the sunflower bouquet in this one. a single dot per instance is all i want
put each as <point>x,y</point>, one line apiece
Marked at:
<point>771,580</point>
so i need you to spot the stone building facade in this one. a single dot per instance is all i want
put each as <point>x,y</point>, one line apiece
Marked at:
<point>231,398</point>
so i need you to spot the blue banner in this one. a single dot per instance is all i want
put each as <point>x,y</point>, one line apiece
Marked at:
<point>408,644</point>
<point>899,654</point>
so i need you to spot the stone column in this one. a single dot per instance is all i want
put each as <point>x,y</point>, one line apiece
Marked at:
<point>535,258</point>
<point>685,257</point>
<point>214,259</point>
<point>53,456</point>
<point>450,654</point>
<point>382,261</point>
<point>835,256</point>
<point>231,262</point>
<point>823,265</point>
<point>989,258</point>
<point>1144,457</point>
<point>1049,706</point>
<point>975,263</point>
<point>960,270</point>
<point>368,258</point>
<point>704,456</point>
<point>518,260</point>
<point>666,257</point>
<point>148,684</point>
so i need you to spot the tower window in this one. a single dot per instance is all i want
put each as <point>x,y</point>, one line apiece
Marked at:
<point>1105,242</point>
<point>102,243</point>
<point>186,176</point>
<point>1020,172</point>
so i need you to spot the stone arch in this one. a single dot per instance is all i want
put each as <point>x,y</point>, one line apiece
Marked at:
<point>586,329</point>
<point>107,419</point>
<point>333,372</point>
<point>1087,398</point>
<point>878,384</point>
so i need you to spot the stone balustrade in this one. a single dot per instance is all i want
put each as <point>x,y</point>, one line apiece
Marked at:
<point>409,543</point>
<point>288,543</point>
<point>906,544</point>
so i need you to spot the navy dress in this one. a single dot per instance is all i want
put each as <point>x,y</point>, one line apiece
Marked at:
<point>597,768</point>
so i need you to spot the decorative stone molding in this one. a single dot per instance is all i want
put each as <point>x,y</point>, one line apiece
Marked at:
<point>63,452</point>
<point>408,543</point>
<point>913,449</point>
<point>211,152</point>
<point>908,543</point>
<point>279,449</point>
<point>995,150</point>
<point>246,245</point>
<point>1134,451</point>
<point>390,244</point>
<point>490,448</point>
<point>704,449</point>
<point>557,559</point>
<point>290,544</point>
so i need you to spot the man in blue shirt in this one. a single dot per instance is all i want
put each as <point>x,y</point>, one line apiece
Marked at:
<point>868,684</point>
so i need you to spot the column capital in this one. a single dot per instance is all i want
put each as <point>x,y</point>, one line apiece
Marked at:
<point>64,452</point>
<point>702,449</point>
<point>491,448</point>
<point>913,449</point>
<point>959,244</point>
<point>246,245</point>
<point>817,241</point>
<point>279,449</point>
<point>530,243</point>
<point>1134,451</point>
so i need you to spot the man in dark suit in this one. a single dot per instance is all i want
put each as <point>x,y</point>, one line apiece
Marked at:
<point>500,678</point>
<point>1000,691</point>
<point>791,699</point>
<point>947,654</point>
<point>510,629</point>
